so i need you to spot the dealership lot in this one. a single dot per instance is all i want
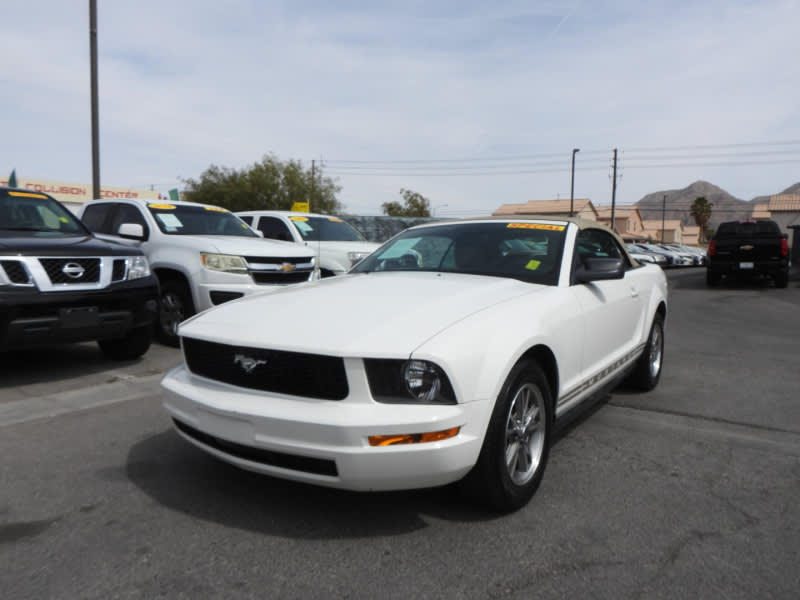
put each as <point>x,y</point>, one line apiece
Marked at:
<point>688,491</point>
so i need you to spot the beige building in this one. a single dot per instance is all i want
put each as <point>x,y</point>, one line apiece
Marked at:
<point>628,221</point>
<point>670,230</point>
<point>582,207</point>
<point>784,209</point>
<point>75,194</point>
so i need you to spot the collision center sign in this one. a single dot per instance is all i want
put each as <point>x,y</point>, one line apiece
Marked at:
<point>78,193</point>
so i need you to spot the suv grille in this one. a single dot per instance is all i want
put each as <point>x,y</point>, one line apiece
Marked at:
<point>55,269</point>
<point>273,278</point>
<point>118,272</point>
<point>293,373</point>
<point>15,271</point>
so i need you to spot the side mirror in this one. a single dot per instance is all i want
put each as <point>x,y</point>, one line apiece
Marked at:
<point>131,231</point>
<point>600,269</point>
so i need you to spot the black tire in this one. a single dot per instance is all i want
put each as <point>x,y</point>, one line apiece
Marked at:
<point>175,306</point>
<point>712,279</point>
<point>133,345</point>
<point>508,473</point>
<point>782,279</point>
<point>647,372</point>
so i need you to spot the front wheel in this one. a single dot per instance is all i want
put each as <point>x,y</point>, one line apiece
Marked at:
<point>133,345</point>
<point>176,306</point>
<point>517,442</point>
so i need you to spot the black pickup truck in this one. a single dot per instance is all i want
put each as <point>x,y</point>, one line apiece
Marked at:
<point>754,248</point>
<point>58,283</point>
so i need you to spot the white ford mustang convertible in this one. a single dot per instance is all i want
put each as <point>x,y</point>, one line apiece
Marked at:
<point>446,355</point>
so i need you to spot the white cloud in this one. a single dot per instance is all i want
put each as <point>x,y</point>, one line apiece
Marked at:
<point>187,84</point>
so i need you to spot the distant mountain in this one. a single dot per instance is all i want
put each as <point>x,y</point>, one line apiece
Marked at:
<point>678,203</point>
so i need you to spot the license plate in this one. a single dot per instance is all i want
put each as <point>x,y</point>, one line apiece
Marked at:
<point>83,316</point>
<point>746,265</point>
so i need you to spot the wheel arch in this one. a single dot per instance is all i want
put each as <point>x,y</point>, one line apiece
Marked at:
<point>165,274</point>
<point>545,358</point>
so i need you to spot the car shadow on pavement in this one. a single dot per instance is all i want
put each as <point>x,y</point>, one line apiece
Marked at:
<point>54,363</point>
<point>183,478</point>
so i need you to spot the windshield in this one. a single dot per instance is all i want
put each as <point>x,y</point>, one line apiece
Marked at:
<point>326,229</point>
<point>187,219</point>
<point>39,214</point>
<point>527,251</point>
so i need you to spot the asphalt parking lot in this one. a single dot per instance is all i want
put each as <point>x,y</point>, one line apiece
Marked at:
<point>688,491</point>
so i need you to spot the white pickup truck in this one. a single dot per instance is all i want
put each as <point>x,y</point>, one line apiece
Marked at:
<point>337,244</point>
<point>202,255</point>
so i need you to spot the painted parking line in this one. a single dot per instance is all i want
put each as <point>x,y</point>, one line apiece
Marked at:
<point>61,403</point>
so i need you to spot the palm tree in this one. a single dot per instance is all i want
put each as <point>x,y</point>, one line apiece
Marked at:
<point>701,211</point>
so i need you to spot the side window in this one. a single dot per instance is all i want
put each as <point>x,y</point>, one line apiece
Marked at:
<point>95,217</point>
<point>596,243</point>
<point>127,213</point>
<point>246,218</point>
<point>274,229</point>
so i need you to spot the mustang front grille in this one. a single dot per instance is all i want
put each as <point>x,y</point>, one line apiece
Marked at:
<point>293,373</point>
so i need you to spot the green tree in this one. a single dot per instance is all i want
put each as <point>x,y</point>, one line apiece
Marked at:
<point>415,205</point>
<point>701,212</point>
<point>271,184</point>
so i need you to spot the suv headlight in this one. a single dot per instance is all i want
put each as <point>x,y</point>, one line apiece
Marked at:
<point>223,262</point>
<point>408,382</point>
<point>138,267</point>
<point>354,257</point>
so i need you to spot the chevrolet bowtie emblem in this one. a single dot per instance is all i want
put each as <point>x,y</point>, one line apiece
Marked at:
<point>287,267</point>
<point>247,363</point>
<point>746,247</point>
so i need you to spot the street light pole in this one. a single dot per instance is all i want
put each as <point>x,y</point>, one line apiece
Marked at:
<point>94,99</point>
<point>572,185</point>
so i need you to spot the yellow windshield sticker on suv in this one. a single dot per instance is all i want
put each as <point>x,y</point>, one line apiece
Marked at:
<point>335,219</point>
<point>533,264</point>
<point>162,206</point>
<point>298,218</point>
<point>27,195</point>
<point>536,226</point>
<point>216,208</point>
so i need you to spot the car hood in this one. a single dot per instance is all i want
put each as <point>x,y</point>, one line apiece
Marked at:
<point>359,315</point>
<point>245,246</point>
<point>39,244</point>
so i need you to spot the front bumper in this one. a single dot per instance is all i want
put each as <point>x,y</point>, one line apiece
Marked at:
<point>324,442</point>
<point>29,317</point>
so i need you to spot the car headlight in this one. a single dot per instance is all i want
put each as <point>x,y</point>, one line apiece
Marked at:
<point>408,381</point>
<point>223,262</point>
<point>138,267</point>
<point>354,257</point>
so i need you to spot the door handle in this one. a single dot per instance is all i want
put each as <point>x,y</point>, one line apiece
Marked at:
<point>634,293</point>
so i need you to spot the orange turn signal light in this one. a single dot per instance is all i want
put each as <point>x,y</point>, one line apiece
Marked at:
<point>413,438</point>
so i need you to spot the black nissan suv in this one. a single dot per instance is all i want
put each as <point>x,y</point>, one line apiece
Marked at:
<point>58,283</point>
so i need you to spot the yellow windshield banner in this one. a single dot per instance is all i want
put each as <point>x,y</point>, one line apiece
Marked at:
<point>162,206</point>
<point>27,195</point>
<point>298,218</point>
<point>335,219</point>
<point>536,226</point>
<point>216,208</point>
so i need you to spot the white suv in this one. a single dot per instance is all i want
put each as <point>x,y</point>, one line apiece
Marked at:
<point>202,255</point>
<point>338,244</point>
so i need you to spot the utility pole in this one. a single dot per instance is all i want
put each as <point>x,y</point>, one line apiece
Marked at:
<point>572,185</point>
<point>663,213</point>
<point>313,166</point>
<point>614,193</point>
<point>95,120</point>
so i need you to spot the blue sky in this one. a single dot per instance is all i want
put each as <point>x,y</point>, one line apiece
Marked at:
<point>473,104</point>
